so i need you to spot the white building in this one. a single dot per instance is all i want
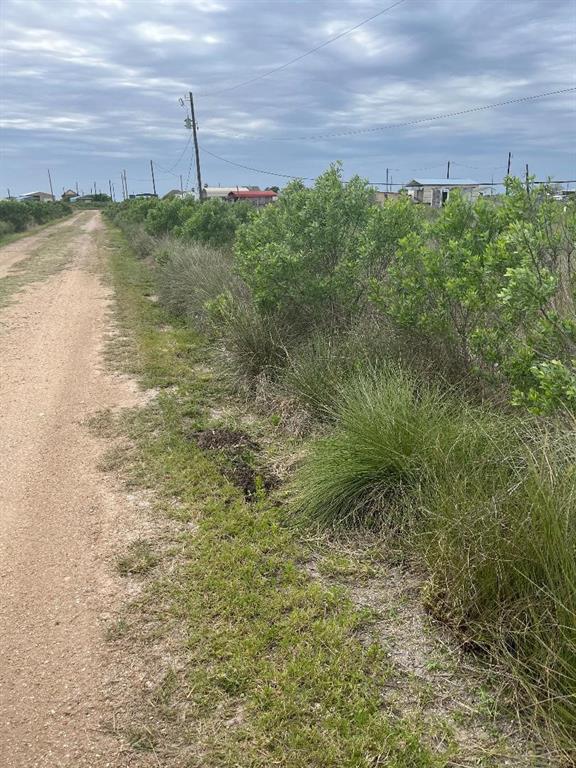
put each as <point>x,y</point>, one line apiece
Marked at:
<point>220,193</point>
<point>38,197</point>
<point>435,192</point>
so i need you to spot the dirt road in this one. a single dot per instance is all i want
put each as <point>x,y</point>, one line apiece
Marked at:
<point>57,515</point>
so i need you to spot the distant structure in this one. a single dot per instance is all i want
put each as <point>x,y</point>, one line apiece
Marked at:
<point>379,197</point>
<point>142,196</point>
<point>69,194</point>
<point>221,193</point>
<point>38,197</point>
<point>436,192</point>
<point>178,194</point>
<point>256,197</point>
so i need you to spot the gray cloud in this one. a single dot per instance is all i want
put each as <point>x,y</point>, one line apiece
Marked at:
<point>94,87</point>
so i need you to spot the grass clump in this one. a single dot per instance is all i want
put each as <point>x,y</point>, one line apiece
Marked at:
<point>487,501</point>
<point>393,435</point>
<point>500,546</point>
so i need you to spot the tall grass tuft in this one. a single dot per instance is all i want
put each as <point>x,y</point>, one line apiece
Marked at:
<point>487,500</point>
<point>393,436</point>
<point>500,546</point>
<point>189,276</point>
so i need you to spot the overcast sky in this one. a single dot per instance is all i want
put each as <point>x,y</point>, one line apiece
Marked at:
<point>90,87</point>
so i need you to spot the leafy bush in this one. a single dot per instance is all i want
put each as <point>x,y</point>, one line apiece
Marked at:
<point>495,286</point>
<point>167,216</point>
<point>214,222</point>
<point>22,214</point>
<point>301,257</point>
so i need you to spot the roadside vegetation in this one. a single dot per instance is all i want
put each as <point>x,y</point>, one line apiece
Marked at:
<point>18,216</point>
<point>426,364</point>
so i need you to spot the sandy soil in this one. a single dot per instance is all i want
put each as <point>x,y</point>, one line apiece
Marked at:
<point>11,254</point>
<point>58,517</point>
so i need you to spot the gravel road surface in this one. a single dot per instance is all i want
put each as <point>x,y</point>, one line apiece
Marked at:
<point>58,514</point>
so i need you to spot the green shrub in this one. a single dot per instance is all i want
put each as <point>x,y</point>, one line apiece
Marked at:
<point>301,256</point>
<point>22,214</point>
<point>494,287</point>
<point>167,216</point>
<point>214,222</point>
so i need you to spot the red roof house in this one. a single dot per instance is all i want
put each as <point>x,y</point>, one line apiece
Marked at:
<point>258,197</point>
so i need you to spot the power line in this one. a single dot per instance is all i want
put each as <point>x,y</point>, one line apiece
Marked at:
<point>305,54</point>
<point>374,183</point>
<point>180,158</point>
<point>256,170</point>
<point>315,137</point>
<point>480,167</point>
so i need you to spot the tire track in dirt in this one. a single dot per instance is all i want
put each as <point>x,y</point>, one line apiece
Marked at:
<point>58,518</point>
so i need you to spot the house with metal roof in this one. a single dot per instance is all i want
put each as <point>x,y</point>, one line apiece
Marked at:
<point>220,193</point>
<point>38,197</point>
<point>435,192</point>
<point>256,197</point>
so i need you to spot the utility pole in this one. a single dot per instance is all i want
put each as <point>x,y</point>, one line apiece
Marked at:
<point>387,185</point>
<point>77,189</point>
<point>10,196</point>
<point>153,179</point>
<point>181,185</point>
<point>448,170</point>
<point>125,178</point>
<point>509,163</point>
<point>110,187</point>
<point>527,179</point>
<point>50,180</point>
<point>196,150</point>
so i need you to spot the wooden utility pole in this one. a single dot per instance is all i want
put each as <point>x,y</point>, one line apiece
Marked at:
<point>196,149</point>
<point>77,189</point>
<point>527,179</point>
<point>153,179</point>
<point>509,163</point>
<point>10,196</point>
<point>50,180</point>
<point>110,188</point>
<point>125,179</point>
<point>387,185</point>
<point>181,185</point>
<point>448,170</point>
